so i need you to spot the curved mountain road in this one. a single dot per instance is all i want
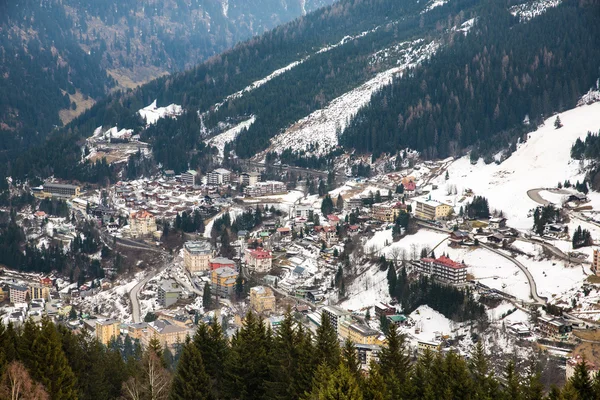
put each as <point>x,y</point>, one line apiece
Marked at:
<point>532,285</point>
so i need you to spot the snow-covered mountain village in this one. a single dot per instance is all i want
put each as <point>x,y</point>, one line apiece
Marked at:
<point>405,168</point>
<point>452,252</point>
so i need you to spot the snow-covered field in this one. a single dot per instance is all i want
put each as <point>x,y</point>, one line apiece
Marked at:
<point>152,113</point>
<point>430,324</point>
<point>367,289</point>
<point>322,127</point>
<point>541,162</point>
<point>410,246</point>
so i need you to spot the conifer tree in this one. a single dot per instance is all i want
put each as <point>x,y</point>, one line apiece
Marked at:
<point>327,346</point>
<point>48,364</point>
<point>513,382</point>
<point>213,346</point>
<point>581,381</point>
<point>342,385</point>
<point>395,363</point>
<point>374,386</point>
<point>190,382</point>
<point>350,359</point>
<point>248,366</point>
<point>206,297</point>
<point>484,385</point>
<point>339,204</point>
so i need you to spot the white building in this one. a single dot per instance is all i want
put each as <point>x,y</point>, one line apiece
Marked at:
<point>444,269</point>
<point>249,178</point>
<point>219,176</point>
<point>197,255</point>
<point>190,178</point>
<point>265,189</point>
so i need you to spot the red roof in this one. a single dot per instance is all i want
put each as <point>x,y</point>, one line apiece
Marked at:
<point>353,227</point>
<point>410,186</point>
<point>332,217</point>
<point>260,253</point>
<point>445,261</point>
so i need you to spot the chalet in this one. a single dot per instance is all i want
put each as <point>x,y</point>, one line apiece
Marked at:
<point>258,260</point>
<point>459,237</point>
<point>410,188</point>
<point>496,238</point>
<point>315,296</point>
<point>285,231</point>
<point>497,223</point>
<point>382,309</point>
<point>397,319</point>
<point>328,234</point>
<point>352,230</point>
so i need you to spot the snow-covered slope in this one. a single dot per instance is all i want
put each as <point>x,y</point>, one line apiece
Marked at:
<point>321,128</point>
<point>542,161</point>
<point>152,113</point>
<point>220,140</point>
<point>527,11</point>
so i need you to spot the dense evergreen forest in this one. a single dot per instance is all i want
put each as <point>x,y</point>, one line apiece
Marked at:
<point>486,84</point>
<point>51,362</point>
<point>63,54</point>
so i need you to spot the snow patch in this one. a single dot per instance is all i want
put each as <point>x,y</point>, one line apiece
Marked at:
<point>433,4</point>
<point>221,139</point>
<point>528,11</point>
<point>152,113</point>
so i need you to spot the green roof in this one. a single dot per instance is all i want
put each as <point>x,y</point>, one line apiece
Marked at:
<point>397,318</point>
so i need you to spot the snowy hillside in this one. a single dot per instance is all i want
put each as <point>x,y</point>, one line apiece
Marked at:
<point>321,128</point>
<point>220,140</point>
<point>528,11</point>
<point>541,162</point>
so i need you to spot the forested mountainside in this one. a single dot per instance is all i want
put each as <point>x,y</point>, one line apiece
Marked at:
<point>467,73</point>
<point>60,56</point>
<point>480,90</point>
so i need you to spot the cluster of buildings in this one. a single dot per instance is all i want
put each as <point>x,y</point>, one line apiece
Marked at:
<point>169,331</point>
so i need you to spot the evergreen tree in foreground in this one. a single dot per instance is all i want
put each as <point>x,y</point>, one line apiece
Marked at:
<point>190,381</point>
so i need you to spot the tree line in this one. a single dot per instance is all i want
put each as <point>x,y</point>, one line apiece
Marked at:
<point>50,362</point>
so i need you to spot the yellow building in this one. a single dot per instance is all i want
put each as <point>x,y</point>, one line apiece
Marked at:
<point>136,331</point>
<point>107,330</point>
<point>262,299</point>
<point>223,281</point>
<point>387,212</point>
<point>431,346</point>
<point>432,210</point>
<point>167,333</point>
<point>2,295</point>
<point>141,223</point>
<point>197,255</point>
<point>39,292</point>
<point>358,333</point>
<point>60,190</point>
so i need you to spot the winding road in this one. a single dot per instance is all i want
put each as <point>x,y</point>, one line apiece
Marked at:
<point>532,285</point>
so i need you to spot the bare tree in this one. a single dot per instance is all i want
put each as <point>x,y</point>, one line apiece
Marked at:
<point>18,385</point>
<point>395,253</point>
<point>414,252</point>
<point>153,383</point>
